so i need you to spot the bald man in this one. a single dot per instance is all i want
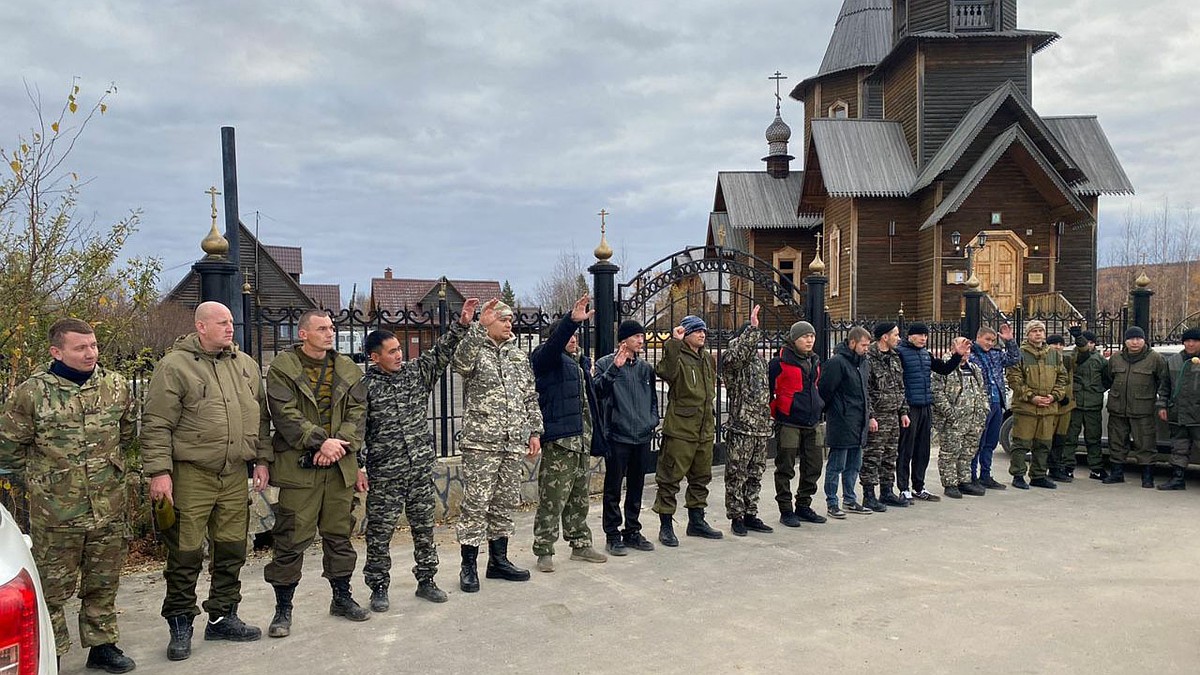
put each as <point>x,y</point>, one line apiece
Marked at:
<point>204,422</point>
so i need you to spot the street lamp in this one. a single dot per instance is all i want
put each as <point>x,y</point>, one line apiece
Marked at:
<point>980,242</point>
<point>955,240</point>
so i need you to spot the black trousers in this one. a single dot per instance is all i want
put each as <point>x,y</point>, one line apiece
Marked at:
<point>626,463</point>
<point>913,459</point>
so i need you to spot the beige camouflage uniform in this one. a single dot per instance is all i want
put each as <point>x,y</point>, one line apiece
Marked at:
<point>501,413</point>
<point>960,410</point>
<point>749,427</point>
<point>67,442</point>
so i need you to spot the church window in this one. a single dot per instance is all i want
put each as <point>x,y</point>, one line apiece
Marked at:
<point>839,110</point>
<point>787,266</point>
<point>834,253</point>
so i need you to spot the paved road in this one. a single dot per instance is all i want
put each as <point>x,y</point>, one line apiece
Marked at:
<point>1088,578</point>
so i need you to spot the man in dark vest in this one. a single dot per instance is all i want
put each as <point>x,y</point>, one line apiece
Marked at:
<point>796,406</point>
<point>1135,377</point>
<point>919,366</point>
<point>1181,407</point>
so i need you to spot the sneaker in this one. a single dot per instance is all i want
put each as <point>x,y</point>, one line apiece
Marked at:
<point>616,546</point>
<point>835,512</point>
<point>1097,474</point>
<point>1043,482</point>
<point>927,496</point>
<point>992,484</point>
<point>907,496</point>
<point>755,524</point>
<point>588,554</point>
<point>806,513</point>
<point>545,563</point>
<point>856,508</point>
<point>636,541</point>
<point>1019,483</point>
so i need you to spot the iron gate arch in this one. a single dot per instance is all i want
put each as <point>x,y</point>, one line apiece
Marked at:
<point>720,285</point>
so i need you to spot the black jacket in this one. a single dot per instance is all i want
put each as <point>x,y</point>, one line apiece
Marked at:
<point>557,377</point>
<point>844,390</point>
<point>628,402</point>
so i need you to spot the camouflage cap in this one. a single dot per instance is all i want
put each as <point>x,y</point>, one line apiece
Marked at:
<point>503,310</point>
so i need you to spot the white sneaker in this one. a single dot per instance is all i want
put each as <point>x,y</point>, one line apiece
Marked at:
<point>906,494</point>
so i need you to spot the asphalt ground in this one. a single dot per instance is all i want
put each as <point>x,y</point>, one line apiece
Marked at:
<point>1087,578</point>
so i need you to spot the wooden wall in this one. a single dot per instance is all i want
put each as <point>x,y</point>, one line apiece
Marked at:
<point>886,265</point>
<point>840,87</point>
<point>1008,14</point>
<point>900,98</point>
<point>838,216</point>
<point>1075,276</point>
<point>764,243</point>
<point>928,15</point>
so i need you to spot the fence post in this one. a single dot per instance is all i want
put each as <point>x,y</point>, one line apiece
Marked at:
<point>1139,298</point>
<point>604,275</point>
<point>814,305</point>
<point>972,315</point>
<point>444,393</point>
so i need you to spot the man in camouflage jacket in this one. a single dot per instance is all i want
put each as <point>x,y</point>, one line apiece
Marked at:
<point>399,456</point>
<point>960,410</point>
<point>748,428</point>
<point>502,425</point>
<point>64,431</point>
<point>889,412</point>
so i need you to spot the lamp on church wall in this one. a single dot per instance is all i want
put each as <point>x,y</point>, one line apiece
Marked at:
<point>955,240</point>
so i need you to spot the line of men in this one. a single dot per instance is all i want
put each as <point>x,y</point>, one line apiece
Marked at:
<point>320,429</point>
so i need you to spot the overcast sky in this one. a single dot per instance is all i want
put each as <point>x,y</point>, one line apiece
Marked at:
<point>477,139</point>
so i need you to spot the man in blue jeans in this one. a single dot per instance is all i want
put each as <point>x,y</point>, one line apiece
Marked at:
<point>847,419</point>
<point>992,362</point>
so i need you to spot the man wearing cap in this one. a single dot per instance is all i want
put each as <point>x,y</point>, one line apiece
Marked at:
<point>502,426</point>
<point>1038,383</point>
<point>919,366</point>
<point>572,436</point>
<point>1181,407</point>
<point>796,405</point>
<point>889,414</point>
<point>1136,377</point>
<point>629,413</point>
<point>992,362</point>
<point>1062,452</point>
<point>689,429</point>
<point>745,373</point>
<point>1087,388</point>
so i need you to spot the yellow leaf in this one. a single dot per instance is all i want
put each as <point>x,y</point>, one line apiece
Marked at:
<point>15,166</point>
<point>54,127</point>
<point>72,107</point>
<point>24,148</point>
<point>103,108</point>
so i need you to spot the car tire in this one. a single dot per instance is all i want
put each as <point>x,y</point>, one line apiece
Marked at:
<point>1006,434</point>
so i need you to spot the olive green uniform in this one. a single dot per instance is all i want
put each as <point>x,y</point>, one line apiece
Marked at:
<point>1182,403</point>
<point>1135,382</point>
<point>1039,373</point>
<point>1088,389</point>
<point>689,427</point>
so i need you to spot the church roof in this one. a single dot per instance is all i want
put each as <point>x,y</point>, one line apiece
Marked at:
<point>756,200</point>
<point>1083,137</point>
<point>1043,38</point>
<point>973,123</point>
<point>862,36</point>
<point>718,226</point>
<point>1013,136</point>
<point>863,158</point>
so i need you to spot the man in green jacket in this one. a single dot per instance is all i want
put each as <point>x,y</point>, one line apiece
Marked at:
<point>1181,407</point>
<point>689,429</point>
<point>64,431</point>
<point>1062,452</point>
<point>204,419</point>
<point>1136,377</point>
<point>318,404</point>
<point>1088,391</point>
<point>1038,383</point>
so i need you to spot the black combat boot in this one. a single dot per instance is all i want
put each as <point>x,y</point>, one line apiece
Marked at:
<point>972,489</point>
<point>787,516</point>
<point>666,530</point>
<point>281,623</point>
<point>1019,483</point>
<point>1176,483</point>
<point>755,524</point>
<point>1116,474</point>
<point>871,501</point>
<point>499,566</point>
<point>1147,476</point>
<point>379,598</point>
<point>698,527</point>
<point>807,514</point>
<point>110,659</point>
<point>990,483</point>
<point>343,603</point>
<point>953,492</point>
<point>886,496</point>
<point>738,525</point>
<point>1043,482</point>
<point>230,627</point>
<point>428,590</point>
<point>180,646</point>
<point>468,577</point>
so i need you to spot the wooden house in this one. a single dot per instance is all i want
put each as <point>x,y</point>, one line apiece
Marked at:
<point>919,136</point>
<point>409,307</point>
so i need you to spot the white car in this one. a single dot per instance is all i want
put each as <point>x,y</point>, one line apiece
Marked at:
<point>26,637</point>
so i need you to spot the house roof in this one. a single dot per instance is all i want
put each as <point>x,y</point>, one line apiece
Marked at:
<point>290,258</point>
<point>1013,136</point>
<point>397,295</point>
<point>756,200</point>
<point>327,296</point>
<point>973,123</point>
<point>863,158</point>
<point>1083,137</point>
<point>718,227</point>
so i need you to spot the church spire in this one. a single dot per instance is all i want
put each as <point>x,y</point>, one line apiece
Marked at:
<point>778,160</point>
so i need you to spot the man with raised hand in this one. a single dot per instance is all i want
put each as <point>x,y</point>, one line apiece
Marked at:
<point>992,362</point>
<point>748,428</point>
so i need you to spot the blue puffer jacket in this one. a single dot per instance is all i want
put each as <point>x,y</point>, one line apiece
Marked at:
<point>919,364</point>
<point>992,363</point>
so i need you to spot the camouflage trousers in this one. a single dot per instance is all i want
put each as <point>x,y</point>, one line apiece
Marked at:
<point>91,557</point>
<point>744,466</point>
<point>562,496</point>
<point>410,493</point>
<point>491,491</point>
<point>879,457</point>
<point>958,441</point>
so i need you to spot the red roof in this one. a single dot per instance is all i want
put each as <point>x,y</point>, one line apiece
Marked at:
<point>327,296</point>
<point>290,258</point>
<point>397,295</point>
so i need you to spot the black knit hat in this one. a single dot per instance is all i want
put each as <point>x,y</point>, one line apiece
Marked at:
<point>1191,334</point>
<point>918,328</point>
<point>628,329</point>
<point>1055,339</point>
<point>1090,337</point>
<point>1134,332</point>
<point>883,328</point>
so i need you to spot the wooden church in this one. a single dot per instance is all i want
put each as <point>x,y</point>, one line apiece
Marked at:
<point>925,161</point>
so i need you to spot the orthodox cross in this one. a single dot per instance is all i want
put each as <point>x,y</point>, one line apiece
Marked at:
<point>778,76</point>
<point>819,236</point>
<point>212,192</point>
<point>603,213</point>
